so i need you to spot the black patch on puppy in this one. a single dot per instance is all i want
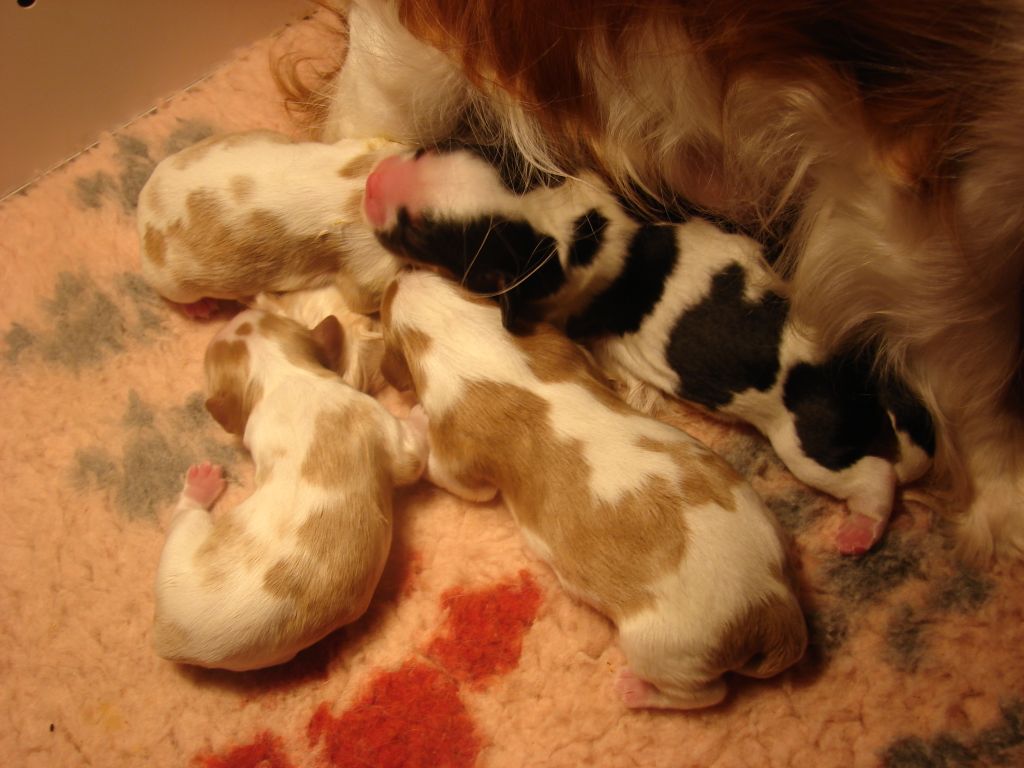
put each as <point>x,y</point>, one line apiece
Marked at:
<point>487,254</point>
<point>622,307</point>
<point>909,413</point>
<point>838,414</point>
<point>727,344</point>
<point>587,237</point>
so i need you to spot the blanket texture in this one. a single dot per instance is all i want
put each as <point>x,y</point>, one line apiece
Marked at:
<point>471,654</point>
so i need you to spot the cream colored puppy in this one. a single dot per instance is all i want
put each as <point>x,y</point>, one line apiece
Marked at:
<point>302,555</point>
<point>637,518</point>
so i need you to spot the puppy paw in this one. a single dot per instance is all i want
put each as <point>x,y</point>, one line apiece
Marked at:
<point>634,692</point>
<point>203,309</point>
<point>858,533</point>
<point>204,483</point>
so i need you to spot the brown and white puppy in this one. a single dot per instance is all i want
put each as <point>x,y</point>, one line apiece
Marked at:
<point>883,141</point>
<point>302,555</point>
<point>243,213</point>
<point>636,518</point>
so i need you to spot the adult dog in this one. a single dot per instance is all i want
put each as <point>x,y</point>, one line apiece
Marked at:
<point>884,142</point>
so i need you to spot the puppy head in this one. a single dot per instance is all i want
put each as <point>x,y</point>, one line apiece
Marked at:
<point>256,348</point>
<point>418,307</point>
<point>452,212</point>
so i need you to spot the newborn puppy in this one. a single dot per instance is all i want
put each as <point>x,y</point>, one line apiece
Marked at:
<point>687,309</point>
<point>243,213</point>
<point>636,518</point>
<point>302,555</point>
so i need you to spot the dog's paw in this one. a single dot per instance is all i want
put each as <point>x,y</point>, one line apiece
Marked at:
<point>204,483</point>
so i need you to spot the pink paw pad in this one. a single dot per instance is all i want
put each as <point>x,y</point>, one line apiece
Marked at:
<point>858,534</point>
<point>634,692</point>
<point>203,309</point>
<point>391,185</point>
<point>204,483</point>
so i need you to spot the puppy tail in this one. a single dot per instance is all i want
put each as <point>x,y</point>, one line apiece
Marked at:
<point>770,637</point>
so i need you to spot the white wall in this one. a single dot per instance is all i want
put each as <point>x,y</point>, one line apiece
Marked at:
<point>70,69</point>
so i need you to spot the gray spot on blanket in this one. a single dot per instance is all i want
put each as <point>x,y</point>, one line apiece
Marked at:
<point>795,510</point>
<point>876,573</point>
<point>905,638</point>
<point>94,466</point>
<point>146,301</point>
<point>827,631</point>
<point>149,475</point>
<point>92,190</point>
<point>999,745</point>
<point>18,339</point>
<point>86,323</point>
<point>136,168</point>
<point>186,134</point>
<point>961,591</point>
<point>964,590</point>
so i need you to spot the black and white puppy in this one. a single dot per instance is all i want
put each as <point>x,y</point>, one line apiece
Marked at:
<point>686,308</point>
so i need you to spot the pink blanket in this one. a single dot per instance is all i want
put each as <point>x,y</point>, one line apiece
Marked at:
<point>471,654</point>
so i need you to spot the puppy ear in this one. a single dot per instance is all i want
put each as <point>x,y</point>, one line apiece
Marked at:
<point>329,338</point>
<point>395,368</point>
<point>518,316</point>
<point>229,411</point>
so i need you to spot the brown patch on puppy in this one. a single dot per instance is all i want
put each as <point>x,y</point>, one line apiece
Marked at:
<point>227,547</point>
<point>358,167</point>
<point>242,258</point>
<point>153,197</point>
<point>344,543</point>
<point>244,329</point>
<point>610,554</point>
<point>770,636</point>
<point>232,394</point>
<point>328,462</point>
<point>403,352</point>
<point>154,243</point>
<point>706,477</point>
<point>296,343</point>
<point>553,358</point>
<point>352,209</point>
<point>242,188</point>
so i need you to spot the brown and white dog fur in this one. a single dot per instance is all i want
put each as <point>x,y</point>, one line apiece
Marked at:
<point>636,518</point>
<point>363,347</point>
<point>302,555</point>
<point>884,140</point>
<point>242,213</point>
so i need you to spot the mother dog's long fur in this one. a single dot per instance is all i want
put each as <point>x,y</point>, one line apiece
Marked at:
<point>884,140</point>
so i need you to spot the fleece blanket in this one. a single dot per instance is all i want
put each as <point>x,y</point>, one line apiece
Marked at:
<point>471,655</point>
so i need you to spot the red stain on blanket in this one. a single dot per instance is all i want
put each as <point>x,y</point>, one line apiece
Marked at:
<point>408,718</point>
<point>484,630</point>
<point>415,716</point>
<point>265,752</point>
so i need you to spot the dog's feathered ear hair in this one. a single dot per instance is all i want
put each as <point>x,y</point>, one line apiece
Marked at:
<point>229,410</point>
<point>329,340</point>
<point>395,368</point>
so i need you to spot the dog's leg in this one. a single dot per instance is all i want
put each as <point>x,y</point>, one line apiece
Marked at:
<point>413,449</point>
